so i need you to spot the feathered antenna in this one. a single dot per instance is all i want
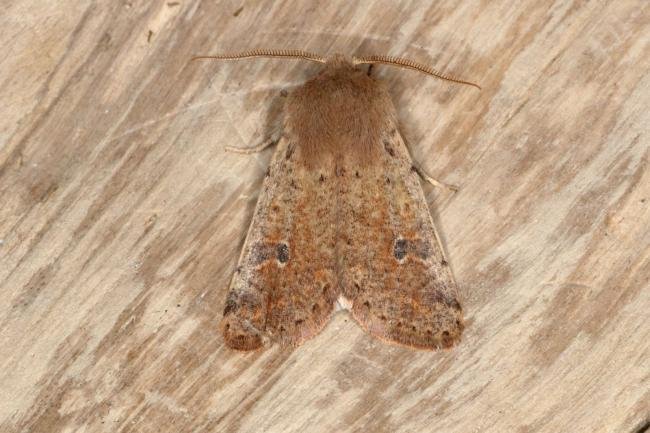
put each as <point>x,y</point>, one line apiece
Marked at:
<point>289,54</point>
<point>406,63</point>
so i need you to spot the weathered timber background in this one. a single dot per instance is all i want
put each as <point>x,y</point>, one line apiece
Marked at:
<point>122,217</point>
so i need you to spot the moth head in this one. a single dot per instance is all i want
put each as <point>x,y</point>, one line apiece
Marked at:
<point>338,61</point>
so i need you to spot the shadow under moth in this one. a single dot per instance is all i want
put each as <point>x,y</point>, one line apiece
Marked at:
<point>341,219</point>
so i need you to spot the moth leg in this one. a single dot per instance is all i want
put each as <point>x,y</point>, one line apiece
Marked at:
<point>433,181</point>
<point>255,149</point>
<point>370,69</point>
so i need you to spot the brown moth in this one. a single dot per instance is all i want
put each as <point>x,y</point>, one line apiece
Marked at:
<point>342,219</point>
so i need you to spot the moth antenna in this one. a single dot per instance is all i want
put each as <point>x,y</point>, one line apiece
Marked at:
<point>286,54</point>
<point>410,64</point>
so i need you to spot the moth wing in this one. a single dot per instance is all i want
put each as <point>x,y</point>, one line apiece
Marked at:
<point>284,288</point>
<point>394,275</point>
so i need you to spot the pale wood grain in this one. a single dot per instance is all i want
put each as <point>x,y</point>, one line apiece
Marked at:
<point>122,217</point>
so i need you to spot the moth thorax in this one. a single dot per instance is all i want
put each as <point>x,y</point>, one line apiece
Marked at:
<point>340,112</point>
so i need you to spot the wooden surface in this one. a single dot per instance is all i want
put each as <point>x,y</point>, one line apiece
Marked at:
<point>122,217</point>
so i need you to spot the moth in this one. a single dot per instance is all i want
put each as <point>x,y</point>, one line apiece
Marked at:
<point>341,222</point>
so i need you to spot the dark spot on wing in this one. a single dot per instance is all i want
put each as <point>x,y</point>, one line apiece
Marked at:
<point>282,253</point>
<point>399,250</point>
